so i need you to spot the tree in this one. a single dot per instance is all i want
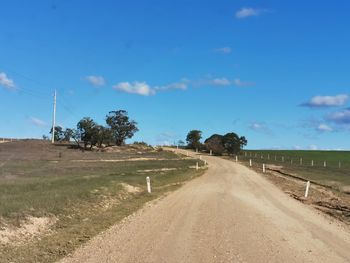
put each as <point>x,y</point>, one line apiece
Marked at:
<point>215,144</point>
<point>88,131</point>
<point>120,125</point>
<point>193,139</point>
<point>104,135</point>
<point>231,142</point>
<point>58,133</point>
<point>68,134</point>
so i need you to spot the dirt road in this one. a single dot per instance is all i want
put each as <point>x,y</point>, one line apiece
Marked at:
<point>230,214</point>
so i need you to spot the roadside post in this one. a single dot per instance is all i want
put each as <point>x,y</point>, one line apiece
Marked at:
<point>312,162</point>
<point>236,158</point>
<point>301,161</point>
<point>148,180</point>
<point>324,164</point>
<point>250,162</point>
<point>307,189</point>
<point>264,168</point>
<point>211,152</point>
<point>197,166</point>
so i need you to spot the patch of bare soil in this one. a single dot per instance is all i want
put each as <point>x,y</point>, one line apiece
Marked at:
<point>131,189</point>
<point>32,227</point>
<point>156,170</point>
<point>329,201</point>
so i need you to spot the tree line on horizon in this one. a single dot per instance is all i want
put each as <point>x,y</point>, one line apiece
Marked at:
<point>230,143</point>
<point>117,129</point>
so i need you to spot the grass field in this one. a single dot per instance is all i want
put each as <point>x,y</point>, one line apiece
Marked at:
<point>52,198</point>
<point>329,168</point>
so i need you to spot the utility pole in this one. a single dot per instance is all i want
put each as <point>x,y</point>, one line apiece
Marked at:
<point>54,118</point>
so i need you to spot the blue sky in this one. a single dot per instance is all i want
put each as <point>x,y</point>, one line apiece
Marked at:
<point>274,71</point>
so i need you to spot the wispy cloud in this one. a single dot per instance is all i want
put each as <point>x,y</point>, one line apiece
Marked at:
<point>260,127</point>
<point>341,117</point>
<point>96,81</point>
<point>181,85</point>
<point>221,82</point>
<point>223,50</point>
<point>139,88</point>
<point>241,83</point>
<point>317,125</point>
<point>324,128</point>
<point>37,122</point>
<point>6,82</point>
<point>249,12</point>
<point>326,101</point>
<point>144,89</point>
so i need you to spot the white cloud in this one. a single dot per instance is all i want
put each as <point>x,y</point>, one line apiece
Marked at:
<point>37,122</point>
<point>139,88</point>
<point>241,83</point>
<point>221,82</point>
<point>313,147</point>
<point>326,101</point>
<point>340,117</point>
<point>182,85</point>
<point>224,50</point>
<point>6,82</point>
<point>248,12</point>
<point>324,128</point>
<point>260,127</point>
<point>97,81</point>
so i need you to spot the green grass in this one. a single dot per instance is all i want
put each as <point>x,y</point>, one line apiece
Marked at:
<point>333,175</point>
<point>85,198</point>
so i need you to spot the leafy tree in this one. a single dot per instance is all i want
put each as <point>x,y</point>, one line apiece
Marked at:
<point>88,131</point>
<point>215,144</point>
<point>58,133</point>
<point>68,134</point>
<point>231,142</point>
<point>104,135</point>
<point>120,125</point>
<point>243,141</point>
<point>193,139</point>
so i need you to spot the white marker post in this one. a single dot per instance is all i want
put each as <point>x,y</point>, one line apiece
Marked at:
<point>250,162</point>
<point>324,164</point>
<point>197,167</point>
<point>312,163</point>
<point>196,150</point>
<point>307,189</point>
<point>211,152</point>
<point>236,158</point>
<point>200,157</point>
<point>264,168</point>
<point>148,180</point>
<point>301,161</point>
<point>205,162</point>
